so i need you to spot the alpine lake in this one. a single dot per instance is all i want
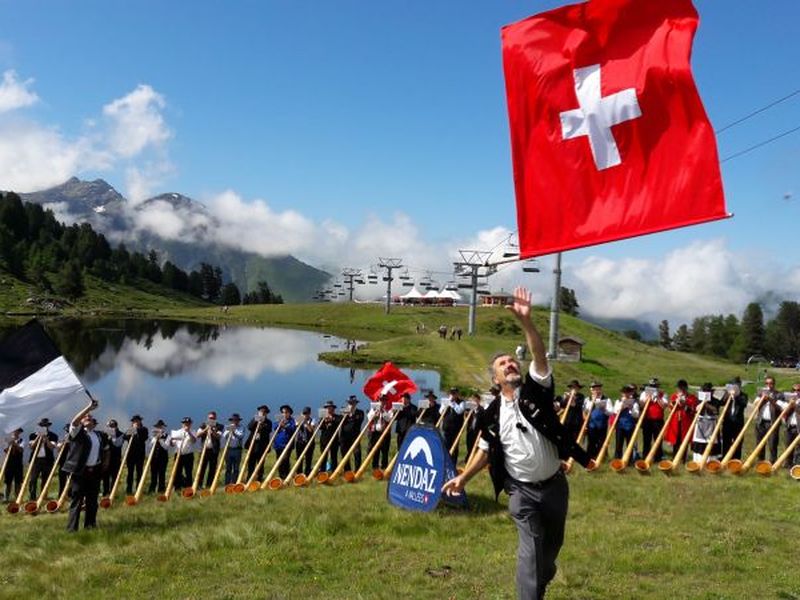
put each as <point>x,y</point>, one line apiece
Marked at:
<point>164,369</point>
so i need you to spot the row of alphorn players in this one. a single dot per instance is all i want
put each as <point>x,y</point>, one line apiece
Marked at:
<point>712,424</point>
<point>236,454</point>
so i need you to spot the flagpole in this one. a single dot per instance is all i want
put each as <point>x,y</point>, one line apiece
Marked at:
<point>555,306</point>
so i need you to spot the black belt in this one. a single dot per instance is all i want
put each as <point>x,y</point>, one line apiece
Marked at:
<point>540,484</point>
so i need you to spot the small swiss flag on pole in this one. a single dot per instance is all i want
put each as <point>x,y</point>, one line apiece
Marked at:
<point>609,137</point>
<point>390,383</point>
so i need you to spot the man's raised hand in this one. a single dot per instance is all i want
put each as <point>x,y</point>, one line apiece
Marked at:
<point>522,303</point>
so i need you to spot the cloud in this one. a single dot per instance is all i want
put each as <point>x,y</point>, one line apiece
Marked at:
<point>14,93</point>
<point>131,136</point>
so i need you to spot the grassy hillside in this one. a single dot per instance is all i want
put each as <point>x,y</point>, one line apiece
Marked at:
<point>100,296</point>
<point>609,356</point>
<point>628,536</point>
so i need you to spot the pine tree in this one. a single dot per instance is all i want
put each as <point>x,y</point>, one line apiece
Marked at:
<point>231,295</point>
<point>69,280</point>
<point>752,330</point>
<point>682,341</point>
<point>663,335</point>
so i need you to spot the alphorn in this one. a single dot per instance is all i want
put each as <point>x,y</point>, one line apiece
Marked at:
<point>760,446</point>
<point>220,467</point>
<point>643,465</point>
<point>454,445</point>
<point>441,417</point>
<point>668,466</point>
<point>728,458</point>
<point>173,474</point>
<point>107,501</point>
<point>351,477</point>
<point>785,456</point>
<point>563,416</point>
<point>384,473</point>
<point>238,487</point>
<point>301,479</point>
<point>697,467</point>
<point>268,480</point>
<point>53,506</point>
<point>32,507</point>
<point>619,464</point>
<point>298,463</point>
<point>190,492</point>
<point>324,477</point>
<point>604,448</point>
<point>13,507</point>
<point>578,440</point>
<point>136,498</point>
<point>474,450</point>
<point>252,483</point>
<point>5,461</point>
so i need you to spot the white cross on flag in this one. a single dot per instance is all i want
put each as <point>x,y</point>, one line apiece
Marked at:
<point>609,137</point>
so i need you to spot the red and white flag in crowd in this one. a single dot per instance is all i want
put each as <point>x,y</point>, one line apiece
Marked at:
<point>609,137</point>
<point>390,382</point>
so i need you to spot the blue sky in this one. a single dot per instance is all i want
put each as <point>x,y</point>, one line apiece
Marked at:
<point>343,110</point>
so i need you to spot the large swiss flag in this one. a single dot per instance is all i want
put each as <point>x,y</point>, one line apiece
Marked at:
<point>389,383</point>
<point>609,137</point>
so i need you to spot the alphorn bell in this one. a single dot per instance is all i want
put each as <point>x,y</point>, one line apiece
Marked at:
<point>351,477</point>
<point>238,487</point>
<point>324,477</point>
<point>301,479</point>
<point>578,440</point>
<point>190,492</point>
<point>268,480</point>
<point>252,484</point>
<point>380,474</point>
<point>754,454</point>
<point>619,464</point>
<point>604,448</point>
<point>298,463</point>
<point>668,466</point>
<point>133,500</point>
<point>643,465</point>
<point>32,507</point>
<point>173,474</point>
<point>53,506</point>
<point>728,461</point>
<point>220,467</point>
<point>107,501</point>
<point>695,467</point>
<point>13,507</point>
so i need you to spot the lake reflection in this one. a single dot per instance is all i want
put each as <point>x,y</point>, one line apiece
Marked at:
<point>169,369</point>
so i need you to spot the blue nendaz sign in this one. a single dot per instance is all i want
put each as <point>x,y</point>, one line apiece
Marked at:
<point>423,466</point>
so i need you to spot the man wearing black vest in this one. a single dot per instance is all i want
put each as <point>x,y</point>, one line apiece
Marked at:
<point>734,418</point>
<point>136,436</point>
<point>353,420</point>
<point>327,429</point>
<point>84,461</point>
<point>260,428</point>
<point>44,459</point>
<point>115,439</point>
<point>406,419</point>
<point>524,443</point>
<point>452,421</point>
<point>209,435</point>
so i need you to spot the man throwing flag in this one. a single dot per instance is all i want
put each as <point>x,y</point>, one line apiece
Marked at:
<point>523,442</point>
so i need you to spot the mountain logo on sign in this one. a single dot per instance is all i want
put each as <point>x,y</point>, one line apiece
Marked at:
<point>419,445</point>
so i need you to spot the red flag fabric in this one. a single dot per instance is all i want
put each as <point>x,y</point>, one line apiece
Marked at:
<point>391,382</point>
<point>609,137</point>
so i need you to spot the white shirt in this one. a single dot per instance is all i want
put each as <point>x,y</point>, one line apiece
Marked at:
<point>94,438</point>
<point>619,405</point>
<point>529,455</point>
<point>589,404</point>
<point>184,440</point>
<point>238,434</point>
<point>377,424</point>
<point>456,407</point>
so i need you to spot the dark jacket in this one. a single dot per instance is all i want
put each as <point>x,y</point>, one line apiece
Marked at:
<point>263,435</point>
<point>452,422</point>
<point>327,428</point>
<point>137,439</point>
<point>352,424</point>
<point>48,451</point>
<point>735,414</point>
<point>219,428</point>
<point>79,448</point>
<point>431,416</point>
<point>536,406</point>
<point>406,419</point>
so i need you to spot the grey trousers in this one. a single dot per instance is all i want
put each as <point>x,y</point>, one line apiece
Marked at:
<point>539,512</point>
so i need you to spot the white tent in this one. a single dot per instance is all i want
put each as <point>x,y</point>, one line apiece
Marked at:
<point>451,294</point>
<point>413,293</point>
<point>431,295</point>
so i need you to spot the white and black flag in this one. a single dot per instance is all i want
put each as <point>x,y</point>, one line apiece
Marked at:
<point>34,376</point>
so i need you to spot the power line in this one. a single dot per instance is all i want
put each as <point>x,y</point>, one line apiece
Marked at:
<point>760,144</point>
<point>757,112</point>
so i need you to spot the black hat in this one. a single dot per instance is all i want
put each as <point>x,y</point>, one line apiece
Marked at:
<point>235,417</point>
<point>136,418</point>
<point>66,427</point>
<point>406,395</point>
<point>453,390</point>
<point>351,400</point>
<point>330,404</point>
<point>431,396</point>
<point>575,383</point>
<point>708,387</point>
<point>112,423</point>
<point>263,407</point>
<point>186,420</point>
<point>18,430</point>
<point>595,384</point>
<point>45,423</point>
<point>682,385</point>
<point>93,420</point>
<point>628,387</point>
<point>160,423</point>
<point>306,410</point>
<point>736,381</point>
<point>286,407</point>
<point>653,382</point>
